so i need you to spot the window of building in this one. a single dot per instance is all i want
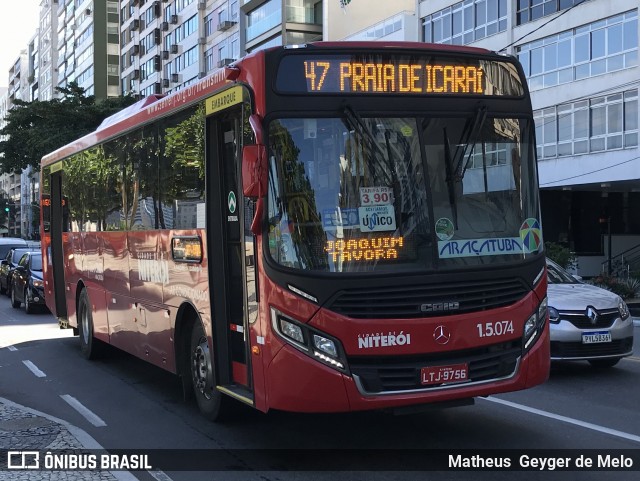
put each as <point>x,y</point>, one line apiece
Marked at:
<point>530,10</point>
<point>465,22</point>
<point>599,124</point>
<point>264,18</point>
<point>594,49</point>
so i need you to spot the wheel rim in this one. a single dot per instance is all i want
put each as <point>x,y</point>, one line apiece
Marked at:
<point>201,368</point>
<point>85,325</point>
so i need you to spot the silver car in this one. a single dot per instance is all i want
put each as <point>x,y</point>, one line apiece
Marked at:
<point>586,322</point>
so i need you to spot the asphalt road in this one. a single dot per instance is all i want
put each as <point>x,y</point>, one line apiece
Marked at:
<point>125,403</point>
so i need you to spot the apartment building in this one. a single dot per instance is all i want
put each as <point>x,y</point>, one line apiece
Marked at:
<point>87,43</point>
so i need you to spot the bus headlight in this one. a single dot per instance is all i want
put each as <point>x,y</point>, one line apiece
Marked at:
<point>535,324</point>
<point>325,345</point>
<point>290,330</point>
<point>313,343</point>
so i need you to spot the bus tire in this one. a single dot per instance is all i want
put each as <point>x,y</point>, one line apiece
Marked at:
<point>89,345</point>
<point>203,378</point>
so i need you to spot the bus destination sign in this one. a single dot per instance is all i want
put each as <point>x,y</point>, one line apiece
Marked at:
<point>401,75</point>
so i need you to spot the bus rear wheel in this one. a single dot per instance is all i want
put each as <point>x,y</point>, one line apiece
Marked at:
<point>210,400</point>
<point>89,345</point>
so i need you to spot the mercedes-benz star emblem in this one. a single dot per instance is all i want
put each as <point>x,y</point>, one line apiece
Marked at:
<point>442,335</point>
<point>592,314</point>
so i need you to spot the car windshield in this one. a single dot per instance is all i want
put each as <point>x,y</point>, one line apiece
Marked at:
<point>557,275</point>
<point>362,194</point>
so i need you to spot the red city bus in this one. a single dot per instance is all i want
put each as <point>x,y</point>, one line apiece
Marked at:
<point>323,228</point>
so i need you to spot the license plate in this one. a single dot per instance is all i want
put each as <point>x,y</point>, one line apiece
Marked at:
<point>596,337</point>
<point>444,374</point>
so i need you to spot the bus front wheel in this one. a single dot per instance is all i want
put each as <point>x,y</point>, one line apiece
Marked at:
<point>203,376</point>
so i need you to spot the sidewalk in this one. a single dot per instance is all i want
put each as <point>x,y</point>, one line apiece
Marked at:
<point>22,428</point>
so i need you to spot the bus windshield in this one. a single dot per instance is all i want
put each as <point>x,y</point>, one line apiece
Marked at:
<point>363,194</point>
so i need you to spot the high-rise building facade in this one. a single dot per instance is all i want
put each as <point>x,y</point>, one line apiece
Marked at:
<point>88,35</point>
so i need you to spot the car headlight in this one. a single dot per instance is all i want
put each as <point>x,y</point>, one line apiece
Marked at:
<point>623,310</point>
<point>37,283</point>
<point>534,326</point>
<point>554,315</point>
<point>313,343</point>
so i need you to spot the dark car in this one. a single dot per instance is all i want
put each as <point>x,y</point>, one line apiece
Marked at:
<point>8,264</point>
<point>27,286</point>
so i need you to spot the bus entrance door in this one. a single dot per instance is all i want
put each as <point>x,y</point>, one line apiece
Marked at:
<point>227,255</point>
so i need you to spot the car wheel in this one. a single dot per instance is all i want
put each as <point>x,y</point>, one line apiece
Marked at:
<point>604,363</point>
<point>28,307</point>
<point>15,303</point>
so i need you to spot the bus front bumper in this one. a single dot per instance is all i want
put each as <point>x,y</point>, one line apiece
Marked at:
<point>297,383</point>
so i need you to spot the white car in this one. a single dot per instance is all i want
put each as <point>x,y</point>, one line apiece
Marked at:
<point>586,322</point>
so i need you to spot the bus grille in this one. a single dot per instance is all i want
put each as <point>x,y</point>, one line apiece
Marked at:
<point>427,300</point>
<point>381,374</point>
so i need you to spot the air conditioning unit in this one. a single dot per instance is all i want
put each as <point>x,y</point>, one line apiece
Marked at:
<point>202,40</point>
<point>135,50</point>
<point>157,88</point>
<point>224,62</point>
<point>135,24</point>
<point>175,78</point>
<point>165,26</point>
<point>174,48</point>
<point>225,25</point>
<point>165,83</point>
<point>165,54</point>
<point>136,74</point>
<point>202,5</point>
<point>174,19</point>
<point>202,74</point>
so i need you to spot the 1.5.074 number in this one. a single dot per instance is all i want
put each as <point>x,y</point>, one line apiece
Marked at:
<point>496,328</point>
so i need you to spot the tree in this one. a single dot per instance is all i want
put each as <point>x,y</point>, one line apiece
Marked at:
<point>36,128</point>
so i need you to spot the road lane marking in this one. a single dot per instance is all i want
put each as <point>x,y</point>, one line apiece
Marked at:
<point>565,419</point>
<point>12,348</point>
<point>34,369</point>
<point>86,412</point>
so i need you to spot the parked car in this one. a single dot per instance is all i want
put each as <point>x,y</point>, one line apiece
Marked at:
<point>8,264</point>
<point>586,322</point>
<point>27,286</point>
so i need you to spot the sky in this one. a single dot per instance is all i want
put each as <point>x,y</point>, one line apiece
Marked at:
<point>18,23</point>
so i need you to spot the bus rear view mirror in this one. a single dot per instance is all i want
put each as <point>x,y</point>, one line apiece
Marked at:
<point>254,171</point>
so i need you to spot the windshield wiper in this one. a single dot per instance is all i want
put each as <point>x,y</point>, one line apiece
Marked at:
<point>467,143</point>
<point>451,180</point>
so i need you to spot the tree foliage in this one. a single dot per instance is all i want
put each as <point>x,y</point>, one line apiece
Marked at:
<point>36,128</point>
